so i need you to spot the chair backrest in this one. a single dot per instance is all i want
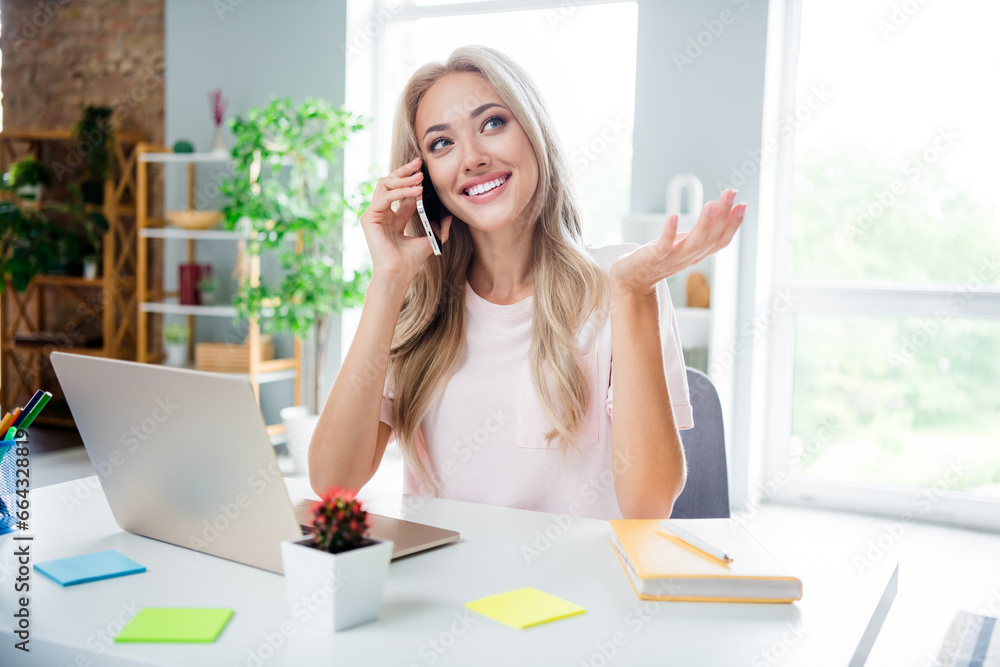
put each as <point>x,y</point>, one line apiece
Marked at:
<point>706,493</point>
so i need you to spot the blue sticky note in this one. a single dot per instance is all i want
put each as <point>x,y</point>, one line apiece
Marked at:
<point>89,567</point>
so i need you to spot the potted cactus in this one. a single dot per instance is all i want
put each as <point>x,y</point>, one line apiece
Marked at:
<point>337,571</point>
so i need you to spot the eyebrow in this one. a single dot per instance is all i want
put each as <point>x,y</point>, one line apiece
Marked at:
<point>475,112</point>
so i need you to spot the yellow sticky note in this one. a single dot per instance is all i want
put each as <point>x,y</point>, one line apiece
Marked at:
<point>524,607</point>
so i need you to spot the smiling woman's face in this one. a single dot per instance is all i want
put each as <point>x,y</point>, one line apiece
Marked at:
<point>470,140</point>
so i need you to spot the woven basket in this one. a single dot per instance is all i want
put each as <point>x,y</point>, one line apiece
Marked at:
<point>228,357</point>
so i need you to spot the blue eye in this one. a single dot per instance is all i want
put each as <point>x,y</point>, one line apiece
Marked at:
<point>501,122</point>
<point>435,143</point>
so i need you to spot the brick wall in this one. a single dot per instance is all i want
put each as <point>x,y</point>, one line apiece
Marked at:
<point>59,54</point>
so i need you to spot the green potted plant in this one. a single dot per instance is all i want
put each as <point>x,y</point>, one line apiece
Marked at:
<point>207,288</point>
<point>281,189</point>
<point>27,245</point>
<point>95,140</point>
<point>28,176</point>
<point>176,336</point>
<point>84,230</point>
<point>68,253</point>
<point>48,239</point>
<point>339,558</point>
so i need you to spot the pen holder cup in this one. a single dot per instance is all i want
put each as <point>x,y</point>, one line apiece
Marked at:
<point>8,473</point>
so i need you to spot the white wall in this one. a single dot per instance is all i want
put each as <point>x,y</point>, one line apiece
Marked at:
<point>700,109</point>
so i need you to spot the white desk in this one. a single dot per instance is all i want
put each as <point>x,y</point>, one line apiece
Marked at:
<point>423,619</point>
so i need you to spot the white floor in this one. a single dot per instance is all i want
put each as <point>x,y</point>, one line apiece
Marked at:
<point>942,569</point>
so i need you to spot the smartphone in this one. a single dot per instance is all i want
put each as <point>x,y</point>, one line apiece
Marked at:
<point>429,208</point>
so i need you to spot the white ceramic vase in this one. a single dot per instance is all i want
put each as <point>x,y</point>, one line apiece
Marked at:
<point>336,591</point>
<point>676,188</point>
<point>90,268</point>
<point>218,145</point>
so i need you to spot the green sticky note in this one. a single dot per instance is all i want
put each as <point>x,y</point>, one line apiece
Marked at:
<point>524,607</point>
<point>175,624</point>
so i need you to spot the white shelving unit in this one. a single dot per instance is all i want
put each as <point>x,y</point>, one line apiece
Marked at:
<point>706,333</point>
<point>262,378</point>
<point>183,158</point>
<point>167,303</point>
<point>197,235</point>
<point>179,309</point>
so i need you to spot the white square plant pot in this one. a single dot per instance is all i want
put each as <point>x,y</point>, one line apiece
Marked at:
<point>338,591</point>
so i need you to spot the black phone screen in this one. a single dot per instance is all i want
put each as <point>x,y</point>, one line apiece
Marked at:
<point>432,205</point>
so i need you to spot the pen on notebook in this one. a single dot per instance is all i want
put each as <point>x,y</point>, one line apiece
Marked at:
<point>28,407</point>
<point>35,410</point>
<point>695,541</point>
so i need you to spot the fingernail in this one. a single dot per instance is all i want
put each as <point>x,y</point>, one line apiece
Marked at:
<point>712,208</point>
<point>740,210</point>
<point>731,197</point>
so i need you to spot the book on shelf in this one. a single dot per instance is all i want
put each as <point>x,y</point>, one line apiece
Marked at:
<point>661,566</point>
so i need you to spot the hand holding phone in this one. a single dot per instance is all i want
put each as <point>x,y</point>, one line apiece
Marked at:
<point>429,207</point>
<point>435,242</point>
<point>386,220</point>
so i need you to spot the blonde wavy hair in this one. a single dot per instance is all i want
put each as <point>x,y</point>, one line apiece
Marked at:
<point>430,330</point>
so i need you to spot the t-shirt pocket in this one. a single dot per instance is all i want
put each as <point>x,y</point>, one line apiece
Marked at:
<point>533,423</point>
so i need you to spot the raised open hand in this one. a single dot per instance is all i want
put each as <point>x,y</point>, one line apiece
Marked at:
<point>638,271</point>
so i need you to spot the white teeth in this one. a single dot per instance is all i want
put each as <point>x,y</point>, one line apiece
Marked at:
<point>486,187</point>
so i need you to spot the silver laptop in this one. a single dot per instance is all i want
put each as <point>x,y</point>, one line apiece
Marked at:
<point>183,457</point>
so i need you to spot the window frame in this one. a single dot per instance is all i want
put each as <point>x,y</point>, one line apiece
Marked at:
<point>902,503</point>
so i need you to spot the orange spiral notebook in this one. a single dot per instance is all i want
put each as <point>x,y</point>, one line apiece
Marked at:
<point>661,566</point>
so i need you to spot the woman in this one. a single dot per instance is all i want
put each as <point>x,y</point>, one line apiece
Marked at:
<point>452,352</point>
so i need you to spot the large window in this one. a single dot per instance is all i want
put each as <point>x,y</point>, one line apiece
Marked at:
<point>894,254</point>
<point>581,55</point>
<point>590,92</point>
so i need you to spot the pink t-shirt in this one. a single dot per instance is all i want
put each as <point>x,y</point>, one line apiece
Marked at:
<point>485,435</point>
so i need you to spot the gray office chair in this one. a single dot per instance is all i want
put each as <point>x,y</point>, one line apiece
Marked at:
<point>706,493</point>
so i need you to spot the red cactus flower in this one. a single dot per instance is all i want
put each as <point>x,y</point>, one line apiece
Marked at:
<point>340,522</point>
